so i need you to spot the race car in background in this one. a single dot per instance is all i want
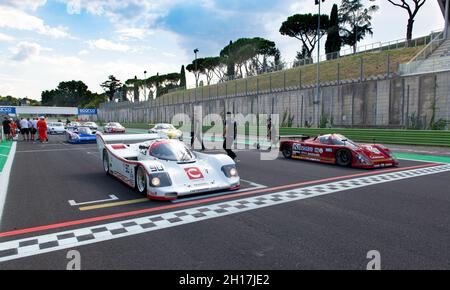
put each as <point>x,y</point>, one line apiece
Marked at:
<point>55,128</point>
<point>165,169</point>
<point>167,129</point>
<point>92,125</point>
<point>72,125</point>
<point>113,127</point>
<point>80,135</point>
<point>337,149</point>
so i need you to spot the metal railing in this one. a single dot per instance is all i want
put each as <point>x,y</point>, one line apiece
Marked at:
<point>416,63</point>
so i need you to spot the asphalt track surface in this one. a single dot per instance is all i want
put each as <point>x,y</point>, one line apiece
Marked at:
<point>406,220</point>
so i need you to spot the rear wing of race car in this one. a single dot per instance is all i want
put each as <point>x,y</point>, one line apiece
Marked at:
<point>294,137</point>
<point>102,140</point>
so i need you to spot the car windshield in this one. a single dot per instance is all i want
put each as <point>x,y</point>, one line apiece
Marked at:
<point>57,124</point>
<point>173,151</point>
<point>342,140</point>
<point>114,124</point>
<point>84,130</point>
<point>164,127</point>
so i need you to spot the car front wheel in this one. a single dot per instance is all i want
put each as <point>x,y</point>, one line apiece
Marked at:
<point>344,157</point>
<point>106,162</point>
<point>287,151</point>
<point>141,180</point>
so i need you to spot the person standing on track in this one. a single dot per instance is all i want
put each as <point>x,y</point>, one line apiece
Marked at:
<point>33,129</point>
<point>24,129</point>
<point>6,128</point>
<point>13,127</point>
<point>42,129</point>
<point>229,135</point>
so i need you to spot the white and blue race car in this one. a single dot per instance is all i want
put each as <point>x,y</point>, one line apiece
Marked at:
<point>165,169</point>
<point>80,135</point>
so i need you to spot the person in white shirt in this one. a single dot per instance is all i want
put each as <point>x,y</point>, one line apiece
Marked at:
<point>24,129</point>
<point>33,128</point>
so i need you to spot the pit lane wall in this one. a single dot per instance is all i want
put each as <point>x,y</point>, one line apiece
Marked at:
<point>396,102</point>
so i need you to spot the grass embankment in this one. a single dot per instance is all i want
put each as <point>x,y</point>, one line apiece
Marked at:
<point>374,63</point>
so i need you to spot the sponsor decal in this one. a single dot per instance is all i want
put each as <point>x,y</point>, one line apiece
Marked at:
<point>87,111</point>
<point>329,150</point>
<point>7,110</point>
<point>318,150</point>
<point>373,149</point>
<point>193,173</point>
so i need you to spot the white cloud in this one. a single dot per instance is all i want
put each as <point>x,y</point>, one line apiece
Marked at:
<point>108,45</point>
<point>24,4</point>
<point>83,52</point>
<point>25,51</point>
<point>17,19</point>
<point>132,33</point>
<point>5,37</point>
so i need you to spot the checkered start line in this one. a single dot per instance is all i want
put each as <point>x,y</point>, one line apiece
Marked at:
<point>15,249</point>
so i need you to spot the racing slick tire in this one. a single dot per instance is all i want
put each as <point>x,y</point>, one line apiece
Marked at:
<point>106,162</point>
<point>343,157</point>
<point>287,151</point>
<point>141,180</point>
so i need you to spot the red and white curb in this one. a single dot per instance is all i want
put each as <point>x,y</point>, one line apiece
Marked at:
<point>41,244</point>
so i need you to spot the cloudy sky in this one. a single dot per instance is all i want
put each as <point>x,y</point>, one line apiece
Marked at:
<point>43,42</point>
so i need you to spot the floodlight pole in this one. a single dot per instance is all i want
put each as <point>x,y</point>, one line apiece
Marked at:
<point>317,102</point>
<point>446,18</point>
<point>145,85</point>
<point>196,72</point>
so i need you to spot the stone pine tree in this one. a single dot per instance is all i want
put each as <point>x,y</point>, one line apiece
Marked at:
<point>183,77</point>
<point>111,86</point>
<point>334,41</point>
<point>411,7</point>
<point>356,21</point>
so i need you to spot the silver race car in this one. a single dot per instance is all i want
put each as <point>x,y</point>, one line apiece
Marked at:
<point>165,169</point>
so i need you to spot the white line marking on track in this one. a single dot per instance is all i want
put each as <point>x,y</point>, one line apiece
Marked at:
<point>54,150</point>
<point>111,197</point>
<point>15,249</point>
<point>203,196</point>
<point>4,177</point>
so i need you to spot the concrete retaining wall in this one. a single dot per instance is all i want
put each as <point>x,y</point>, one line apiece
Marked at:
<point>373,103</point>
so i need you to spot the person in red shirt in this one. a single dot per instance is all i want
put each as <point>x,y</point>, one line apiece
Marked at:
<point>42,129</point>
<point>13,127</point>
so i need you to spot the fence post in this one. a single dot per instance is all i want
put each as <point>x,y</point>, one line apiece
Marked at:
<point>300,79</point>
<point>270,83</point>
<point>361,73</point>
<point>388,65</point>
<point>246,86</point>
<point>338,72</point>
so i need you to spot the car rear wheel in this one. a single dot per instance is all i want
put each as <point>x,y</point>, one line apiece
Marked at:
<point>106,162</point>
<point>344,157</point>
<point>141,180</point>
<point>287,151</point>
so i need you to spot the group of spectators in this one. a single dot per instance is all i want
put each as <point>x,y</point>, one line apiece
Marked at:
<point>26,127</point>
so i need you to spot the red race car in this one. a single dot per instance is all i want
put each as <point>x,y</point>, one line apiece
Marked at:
<point>337,149</point>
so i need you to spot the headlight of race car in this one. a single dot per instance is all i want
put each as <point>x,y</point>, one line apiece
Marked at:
<point>363,159</point>
<point>160,179</point>
<point>230,171</point>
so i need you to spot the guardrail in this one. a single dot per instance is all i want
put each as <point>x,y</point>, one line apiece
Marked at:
<point>414,64</point>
